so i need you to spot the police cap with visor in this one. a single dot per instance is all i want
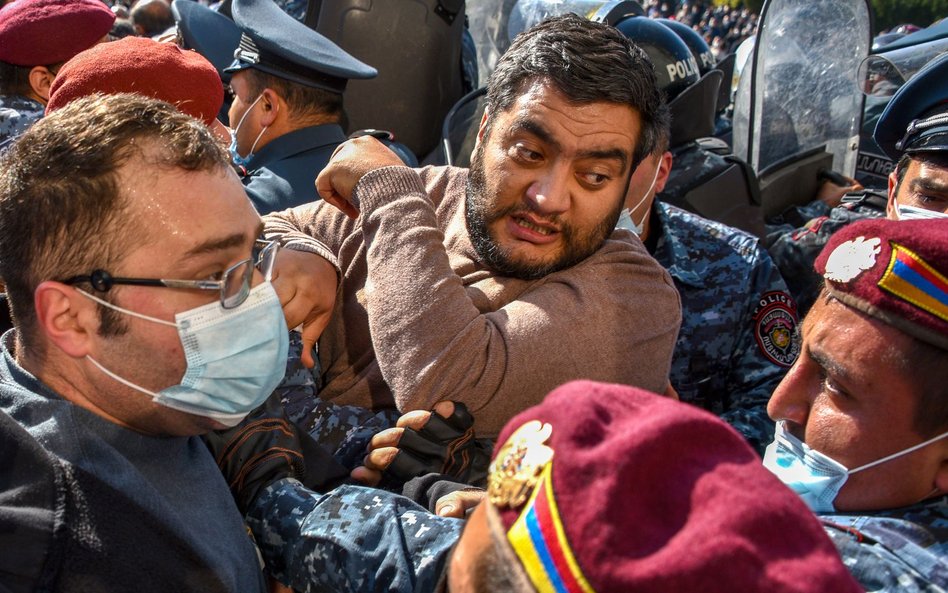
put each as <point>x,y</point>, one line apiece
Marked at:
<point>207,32</point>
<point>273,42</point>
<point>916,119</point>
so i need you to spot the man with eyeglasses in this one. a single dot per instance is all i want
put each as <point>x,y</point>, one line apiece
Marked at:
<point>144,316</point>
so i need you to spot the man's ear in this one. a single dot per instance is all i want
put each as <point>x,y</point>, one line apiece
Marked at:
<point>890,204</point>
<point>481,129</point>
<point>67,319</point>
<point>664,170</point>
<point>271,105</point>
<point>41,78</point>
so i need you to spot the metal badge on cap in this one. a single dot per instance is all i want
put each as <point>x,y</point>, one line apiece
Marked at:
<point>515,471</point>
<point>247,50</point>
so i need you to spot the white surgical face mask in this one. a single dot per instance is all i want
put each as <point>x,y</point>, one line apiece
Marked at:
<point>236,357</point>
<point>244,161</point>
<point>816,477</point>
<point>625,216</point>
<point>914,213</point>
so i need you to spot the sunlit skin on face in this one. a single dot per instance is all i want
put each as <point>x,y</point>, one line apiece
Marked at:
<point>849,397</point>
<point>199,224</point>
<point>547,180</point>
<point>925,185</point>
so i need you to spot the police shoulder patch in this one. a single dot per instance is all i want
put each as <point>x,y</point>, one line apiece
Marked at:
<point>775,327</point>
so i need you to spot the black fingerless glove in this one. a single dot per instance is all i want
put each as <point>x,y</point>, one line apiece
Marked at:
<point>444,446</point>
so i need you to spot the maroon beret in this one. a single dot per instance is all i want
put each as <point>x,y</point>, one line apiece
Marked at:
<point>46,32</point>
<point>610,488</point>
<point>163,71</point>
<point>894,270</point>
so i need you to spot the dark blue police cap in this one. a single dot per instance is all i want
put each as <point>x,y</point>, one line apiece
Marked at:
<point>207,32</point>
<point>916,118</point>
<point>276,43</point>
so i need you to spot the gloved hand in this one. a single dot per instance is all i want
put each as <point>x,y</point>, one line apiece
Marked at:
<point>266,447</point>
<point>429,442</point>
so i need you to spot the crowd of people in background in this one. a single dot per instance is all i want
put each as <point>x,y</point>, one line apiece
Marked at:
<point>722,27</point>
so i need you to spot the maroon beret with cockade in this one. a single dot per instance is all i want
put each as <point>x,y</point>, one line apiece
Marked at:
<point>894,270</point>
<point>608,488</point>
<point>140,65</point>
<point>47,32</point>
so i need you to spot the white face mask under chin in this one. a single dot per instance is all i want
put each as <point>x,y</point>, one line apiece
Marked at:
<point>625,217</point>
<point>816,477</point>
<point>235,357</point>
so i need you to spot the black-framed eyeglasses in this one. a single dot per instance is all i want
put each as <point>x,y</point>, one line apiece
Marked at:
<point>234,285</point>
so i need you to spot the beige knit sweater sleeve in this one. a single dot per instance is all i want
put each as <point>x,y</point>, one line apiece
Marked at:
<point>499,344</point>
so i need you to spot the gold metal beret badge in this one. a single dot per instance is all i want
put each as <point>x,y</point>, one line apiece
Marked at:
<point>518,465</point>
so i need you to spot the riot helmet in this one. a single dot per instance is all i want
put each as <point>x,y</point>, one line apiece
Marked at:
<point>695,42</point>
<point>675,67</point>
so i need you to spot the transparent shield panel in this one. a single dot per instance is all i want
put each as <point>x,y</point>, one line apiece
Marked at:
<point>808,54</point>
<point>488,26</point>
<point>741,117</point>
<point>527,13</point>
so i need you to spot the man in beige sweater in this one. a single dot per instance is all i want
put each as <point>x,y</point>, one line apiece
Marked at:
<point>491,286</point>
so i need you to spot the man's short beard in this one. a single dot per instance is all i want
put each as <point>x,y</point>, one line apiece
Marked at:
<point>576,246</point>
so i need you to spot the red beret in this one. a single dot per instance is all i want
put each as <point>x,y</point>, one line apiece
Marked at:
<point>163,71</point>
<point>45,32</point>
<point>894,270</point>
<point>637,492</point>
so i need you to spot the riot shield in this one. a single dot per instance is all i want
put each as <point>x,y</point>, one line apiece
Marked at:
<point>494,23</point>
<point>797,110</point>
<point>527,13</point>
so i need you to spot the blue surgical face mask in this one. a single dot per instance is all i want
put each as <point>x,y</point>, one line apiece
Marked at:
<point>913,213</point>
<point>244,161</point>
<point>811,474</point>
<point>625,216</point>
<point>236,357</point>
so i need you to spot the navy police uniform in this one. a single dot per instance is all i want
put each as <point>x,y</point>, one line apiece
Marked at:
<point>282,173</point>
<point>738,331</point>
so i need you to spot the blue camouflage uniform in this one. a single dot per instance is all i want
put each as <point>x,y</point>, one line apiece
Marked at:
<point>739,323</point>
<point>283,173</point>
<point>351,539</point>
<point>343,431</point>
<point>904,550</point>
<point>17,113</point>
<point>796,238</point>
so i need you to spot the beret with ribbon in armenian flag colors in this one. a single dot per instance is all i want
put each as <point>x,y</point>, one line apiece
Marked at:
<point>894,270</point>
<point>608,488</point>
